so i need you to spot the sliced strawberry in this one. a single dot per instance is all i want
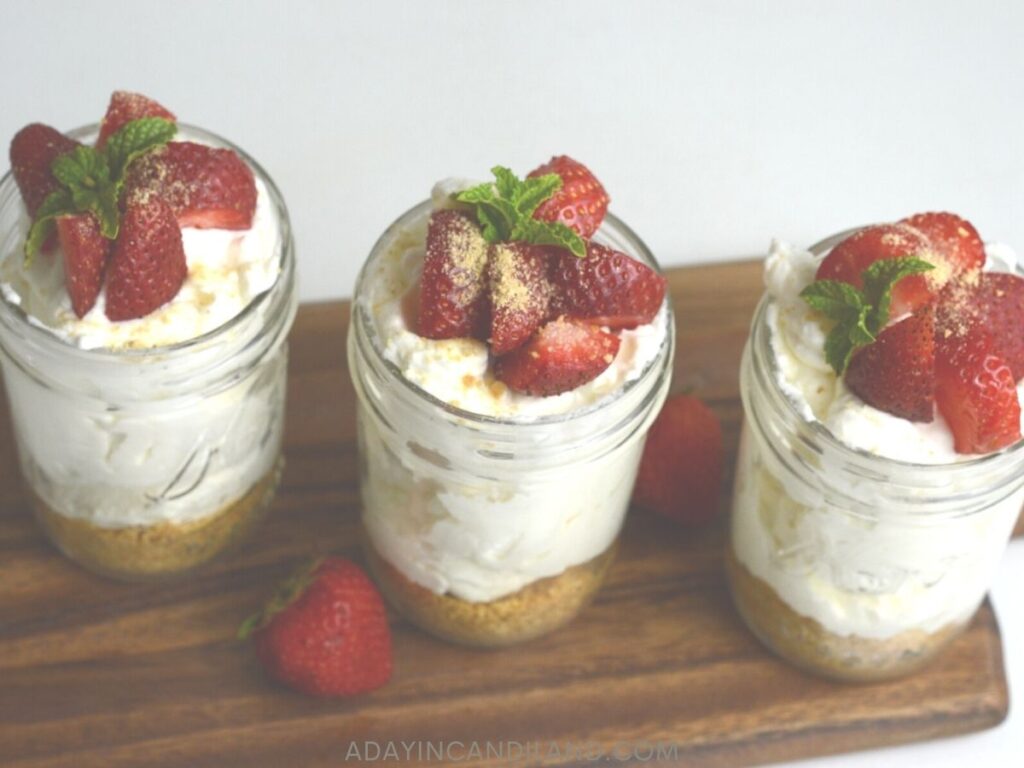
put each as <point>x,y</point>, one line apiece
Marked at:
<point>998,302</point>
<point>848,260</point>
<point>147,266</point>
<point>580,204</point>
<point>207,188</point>
<point>85,255</point>
<point>896,373</point>
<point>976,392</point>
<point>681,471</point>
<point>561,356</point>
<point>954,239</point>
<point>607,287</point>
<point>519,293</point>
<point>125,107</point>
<point>453,302</point>
<point>33,150</point>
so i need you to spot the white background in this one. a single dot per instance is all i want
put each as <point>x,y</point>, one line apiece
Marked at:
<point>714,125</point>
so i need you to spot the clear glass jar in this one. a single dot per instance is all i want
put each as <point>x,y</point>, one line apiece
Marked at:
<point>848,564</point>
<point>489,531</point>
<point>146,463</point>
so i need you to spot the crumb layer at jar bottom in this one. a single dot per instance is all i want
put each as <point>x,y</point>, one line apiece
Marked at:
<point>537,609</point>
<point>163,550</point>
<point>805,643</point>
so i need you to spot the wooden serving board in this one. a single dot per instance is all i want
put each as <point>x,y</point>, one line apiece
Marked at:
<point>97,673</point>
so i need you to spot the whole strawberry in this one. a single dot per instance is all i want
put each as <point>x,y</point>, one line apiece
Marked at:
<point>681,469</point>
<point>325,632</point>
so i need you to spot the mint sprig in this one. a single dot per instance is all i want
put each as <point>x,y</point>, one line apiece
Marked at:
<point>92,179</point>
<point>859,314</point>
<point>505,210</point>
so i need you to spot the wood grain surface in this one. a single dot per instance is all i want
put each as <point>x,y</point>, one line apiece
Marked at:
<point>98,673</point>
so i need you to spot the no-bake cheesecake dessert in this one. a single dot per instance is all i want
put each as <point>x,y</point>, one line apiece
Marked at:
<point>880,467</point>
<point>510,346</point>
<point>146,290</point>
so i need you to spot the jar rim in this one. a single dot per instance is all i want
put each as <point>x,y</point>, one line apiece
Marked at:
<point>16,315</point>
<point>658,367</point>
<point>1008,455</point>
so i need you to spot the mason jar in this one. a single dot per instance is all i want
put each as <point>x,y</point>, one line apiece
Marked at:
<point>490,531</point>
<point>145,463</point>
<point>848,564</point>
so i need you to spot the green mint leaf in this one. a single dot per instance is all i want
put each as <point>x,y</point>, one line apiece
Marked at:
<point>491,224</point>
<point>508,183</point>
<point>550,233</point>
<point>848,308</point>
<point>134,139</point>
<point>536,191</point>
<point>833,298</point>
<point>482,193</point>
<point>85,174</point>
<point>82,167</point>
<point>879,279</point>
<point>57,203</point>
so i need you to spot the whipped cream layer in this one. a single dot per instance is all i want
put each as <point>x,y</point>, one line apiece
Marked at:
<point>870,578</point>
<point>429,510</point>
<point>106,439</point>
<point>226,270</point>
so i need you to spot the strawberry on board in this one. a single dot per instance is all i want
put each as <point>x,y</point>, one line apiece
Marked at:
<point>85,252</point>
<point>33,150</point>
<point>453,300</point>
<point>519,293</point>
<point>976,392</point>
<point>561,356</point>
<point>896,373</point>
<point>147,266</point>
<point>954,239</point>
<point>607,287</point>
<point>580,204</point>
<point>123,108</point>
<point>681,469</point>
<point>325,632</point>
<point>848,260</point>
<point>206,187</point>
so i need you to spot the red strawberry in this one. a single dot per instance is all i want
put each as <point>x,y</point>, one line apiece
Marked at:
<point>148,265</point>
<point>954,239</point>
<point>561,356</point>
<point>976,392</point>
<point>85,254</point>
<point>453,302</point>
<point>896,373</point>
<point>580,204</point>
<point>33,150</point>
<point>997,302</point>
<point>326,631</point>
<point>608,287</point>
<point>125,107</point>
<point>206,187</point>
<point>519,293</point>
<point>848,260</point>
<point>681,469</point>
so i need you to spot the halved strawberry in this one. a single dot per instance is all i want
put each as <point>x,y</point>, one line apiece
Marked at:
<point>848,260</point>
<point>519,293</point>
<point>147,266</point>
<point>33,150</point>
<point>85,255</point>
<point>896,373</point>
<point>607,287</point>
<point>580,204</point>
<point>453,302</point>
<point>207,188</point>
<point>561,356</point>
<point>998,303</point>
<point>953,238</point>
<point>125,107</point>
<point>681,471</point>
<point>976,392</point>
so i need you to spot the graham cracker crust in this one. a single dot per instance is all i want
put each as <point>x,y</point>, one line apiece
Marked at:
<point>805,643</point>
<point>150,552</point>
<point>537,609</point>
